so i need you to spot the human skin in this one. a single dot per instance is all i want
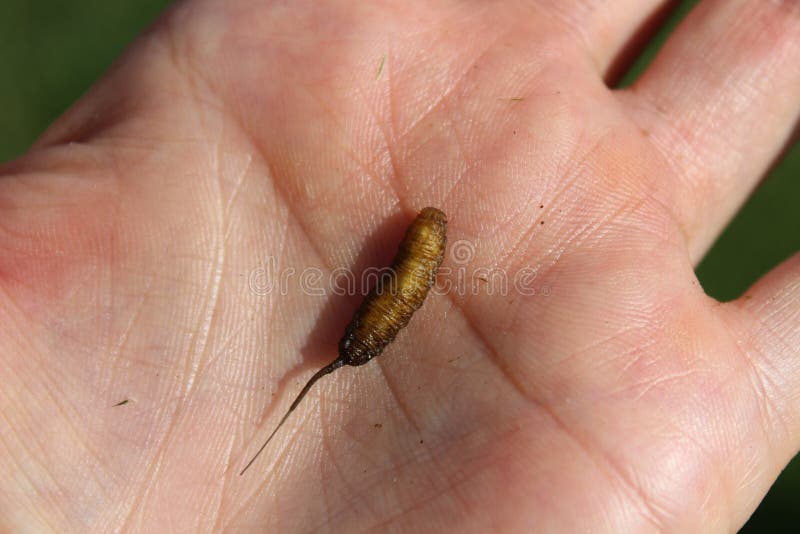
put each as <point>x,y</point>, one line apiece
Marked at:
<point>618,397</point>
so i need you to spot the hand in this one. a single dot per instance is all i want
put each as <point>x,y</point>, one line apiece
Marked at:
<point>237,141</point>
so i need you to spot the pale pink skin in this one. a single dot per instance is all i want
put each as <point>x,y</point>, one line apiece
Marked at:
<point>625,400</point>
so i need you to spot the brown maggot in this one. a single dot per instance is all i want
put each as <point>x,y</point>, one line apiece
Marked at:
<point>390,304</point>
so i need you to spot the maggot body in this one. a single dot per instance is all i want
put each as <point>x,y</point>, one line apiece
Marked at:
<point>395,298</point>
<point>390,304</point>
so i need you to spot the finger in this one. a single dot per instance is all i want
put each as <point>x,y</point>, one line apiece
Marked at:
<point>767,319</point>
<point>719,102</point>
<point>606,29</point>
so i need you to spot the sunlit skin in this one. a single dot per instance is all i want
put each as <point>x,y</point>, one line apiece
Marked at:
<point>241,137</point>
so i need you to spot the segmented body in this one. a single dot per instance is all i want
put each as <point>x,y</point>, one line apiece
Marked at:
<point>394,299</point>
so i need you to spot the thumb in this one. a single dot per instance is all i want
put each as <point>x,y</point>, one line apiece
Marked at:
<point>767,324</point>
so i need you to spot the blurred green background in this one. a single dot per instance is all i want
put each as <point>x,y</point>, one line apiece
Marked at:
<point>51,51</point>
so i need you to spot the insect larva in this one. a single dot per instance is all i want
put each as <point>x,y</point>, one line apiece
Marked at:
<point>390,304</point>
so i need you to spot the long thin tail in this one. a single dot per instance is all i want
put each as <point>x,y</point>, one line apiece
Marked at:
<point>319,374</point>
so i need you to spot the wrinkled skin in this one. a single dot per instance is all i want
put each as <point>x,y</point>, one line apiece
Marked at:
<point>617,397</point>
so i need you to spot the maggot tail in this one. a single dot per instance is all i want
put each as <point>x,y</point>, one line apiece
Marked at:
<point>319,374</point>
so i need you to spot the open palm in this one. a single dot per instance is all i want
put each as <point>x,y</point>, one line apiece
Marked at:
<point>167,248</point>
